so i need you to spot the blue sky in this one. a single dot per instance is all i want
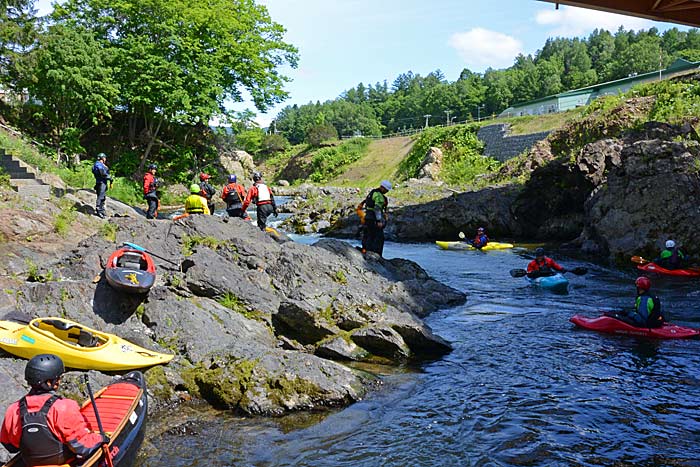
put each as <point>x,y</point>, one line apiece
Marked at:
<point>344,42</point>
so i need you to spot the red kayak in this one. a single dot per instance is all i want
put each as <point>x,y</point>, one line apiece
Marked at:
<point>655,268</point>
<point>615,326</point>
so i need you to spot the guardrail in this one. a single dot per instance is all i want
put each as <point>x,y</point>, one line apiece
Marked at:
<point>415,131</point>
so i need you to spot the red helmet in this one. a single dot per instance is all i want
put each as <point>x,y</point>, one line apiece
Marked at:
<point>204,176</point>
<point>643,283</point>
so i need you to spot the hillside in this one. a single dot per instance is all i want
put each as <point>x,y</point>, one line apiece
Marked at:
<point>381,161</point>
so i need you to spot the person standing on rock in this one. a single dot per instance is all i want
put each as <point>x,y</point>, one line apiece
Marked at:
<point>102,178</point>
<point>672,257</point>
<point>150,185</point>
<point>261,195</point>
<point>44,427</point>
<point>376,216</point>
<point>195,202</point>
<point>208,191</point>
<point>233,195</point>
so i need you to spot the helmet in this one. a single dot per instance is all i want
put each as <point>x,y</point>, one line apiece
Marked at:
<point>43,367</point>
<point>232,178</point>
<point>256,176</point>
<point>204,176</point>
<point>386,184</point>
<point>101,156</point>
<point>670,244</point>
<point>194,188</point>
<point>152,166</point>
<point>539,252</point>
<point>643,283</point>
<point>480,229</point>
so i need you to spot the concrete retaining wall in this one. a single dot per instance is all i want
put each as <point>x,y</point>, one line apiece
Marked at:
<point>499,145</point>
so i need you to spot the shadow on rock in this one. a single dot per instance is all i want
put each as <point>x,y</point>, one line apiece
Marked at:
<point>115,307</point>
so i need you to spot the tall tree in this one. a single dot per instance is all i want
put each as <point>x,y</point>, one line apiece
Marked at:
<point>17,35</point>
<point>182,60</point>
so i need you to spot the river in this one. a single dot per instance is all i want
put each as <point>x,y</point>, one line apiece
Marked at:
<point>521,388</point>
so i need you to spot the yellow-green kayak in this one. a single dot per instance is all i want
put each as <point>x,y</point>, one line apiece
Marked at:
<point>466,246</point>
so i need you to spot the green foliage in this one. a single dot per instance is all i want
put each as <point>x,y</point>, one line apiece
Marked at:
<point>189,243</point>
<point>109,231</point>
<point>461,150</point>
<point>63,221</point>
<point>4,178</point>
<point>250,140</point>
<point>232,302</point>
<point>328,163</point>
<point>340,277</point>
<point>675,100</point>
<point>321,133</point>
<point>273,143</point>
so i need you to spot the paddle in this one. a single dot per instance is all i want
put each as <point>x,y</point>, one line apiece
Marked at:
<point>140,248</point>
<point>462,236</point>
<point>579,271</point>
<point>639,260</point>
<point>105,445</point>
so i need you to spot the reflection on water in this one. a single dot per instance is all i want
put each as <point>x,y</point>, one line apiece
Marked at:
<point>522,386</point>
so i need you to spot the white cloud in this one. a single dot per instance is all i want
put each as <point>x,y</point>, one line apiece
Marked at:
<point>481,48</point>
<point>571,21</point>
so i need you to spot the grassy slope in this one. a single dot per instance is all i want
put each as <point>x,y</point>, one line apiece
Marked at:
<point>537,123</point>
<point>382,159</point>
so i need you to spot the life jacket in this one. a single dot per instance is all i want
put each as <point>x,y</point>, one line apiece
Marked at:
<point>264,194</point>
<point>100,171</point>
<point>370,203</point>
<point>544,266</point>
<point>233,198</point>
<point>38,444</point>
<point>150,184</point>
<point>194,204</point>
<point>480,240</point>
<point>653,318</point>
<point>208,191</point>
<point>671,259</point>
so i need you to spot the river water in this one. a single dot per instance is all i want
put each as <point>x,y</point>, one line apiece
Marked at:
<point>521,388</point>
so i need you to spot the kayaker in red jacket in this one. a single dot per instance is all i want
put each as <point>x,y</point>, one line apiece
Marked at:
<point>261,195</point>
<point>45,428</point>
<point>150,185</point>
<point>542,265</point>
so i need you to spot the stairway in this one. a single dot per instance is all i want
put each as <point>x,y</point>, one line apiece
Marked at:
<point>23,178</point>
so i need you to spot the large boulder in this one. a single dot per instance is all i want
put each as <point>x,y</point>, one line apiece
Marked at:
<point>431,165</point>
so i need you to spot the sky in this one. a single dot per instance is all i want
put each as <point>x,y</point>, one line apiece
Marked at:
<point>345,42</point>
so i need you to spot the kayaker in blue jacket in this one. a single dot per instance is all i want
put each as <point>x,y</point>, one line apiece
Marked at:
<point>647,308</point>
<point>480,240</point>
<point>672,257</point>
<point>102,178</point>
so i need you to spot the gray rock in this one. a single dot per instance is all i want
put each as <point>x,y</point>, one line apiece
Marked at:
<point>382,341</point>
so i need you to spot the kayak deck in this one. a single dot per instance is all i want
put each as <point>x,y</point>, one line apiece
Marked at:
<point>611,325</point>
<point>655,268</point>
<point>467,246</point>
<point>555,283</point>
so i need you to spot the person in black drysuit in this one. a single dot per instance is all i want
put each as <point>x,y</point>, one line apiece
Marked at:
<point>375,206</point>
<point>102,178</point>
<point>208,191</point>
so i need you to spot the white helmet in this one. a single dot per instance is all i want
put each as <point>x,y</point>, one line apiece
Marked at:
<point>386,184</point>
<point>670,244</point>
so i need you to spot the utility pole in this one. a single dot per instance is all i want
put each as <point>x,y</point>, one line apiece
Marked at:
<point>426,119</point>
<point>448,112</point>
<point>478,112</point>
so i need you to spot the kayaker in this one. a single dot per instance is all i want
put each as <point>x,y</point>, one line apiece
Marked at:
<point>150,185</point>
<point>208,191</point>
<point>647,308</point>
<point>376,215</point>
<point>44,427</point>
<point>542,265</point>
<point>195,202</point>
<point>102,178</point>
<point>480,240</point>
<point>233,194</point>
<point>672,257</point>
<point>261,195</point>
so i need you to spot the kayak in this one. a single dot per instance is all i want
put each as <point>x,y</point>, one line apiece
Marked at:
<point>78,346</point>
<point>615,326</point>
<point>555,283</point>
<point>131,271</point>
<point>122,406</point>
<point>655,268</point>
<point>466,246</point>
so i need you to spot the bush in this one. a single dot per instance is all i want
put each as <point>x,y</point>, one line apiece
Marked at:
<point>273,143</point>
<point>328,163</point>
<point>318,134</point>
<point>250,140</point>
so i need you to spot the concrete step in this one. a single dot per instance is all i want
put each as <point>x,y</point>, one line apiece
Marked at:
<point>25,182</point>
<point>16,175</point>
<point>35,191</point>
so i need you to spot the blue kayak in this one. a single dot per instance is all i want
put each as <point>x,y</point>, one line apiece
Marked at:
<point>555,283</point>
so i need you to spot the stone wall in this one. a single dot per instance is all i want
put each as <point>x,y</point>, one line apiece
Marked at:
<point>499,145</point>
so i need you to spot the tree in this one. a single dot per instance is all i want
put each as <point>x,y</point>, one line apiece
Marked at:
<point>72,79</point>
<point>17,35</point>
<point>321,132</point>
<point>180,61</point>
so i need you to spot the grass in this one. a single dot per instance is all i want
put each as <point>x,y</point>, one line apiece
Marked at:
<point>380,163</point>
<point>328,163</point>
<point>528,124</point>
<point>63,221</point>
<point>109,231</point>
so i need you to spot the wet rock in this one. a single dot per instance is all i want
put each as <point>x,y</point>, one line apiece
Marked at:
<point>341,348</point>
<point>382,341</point>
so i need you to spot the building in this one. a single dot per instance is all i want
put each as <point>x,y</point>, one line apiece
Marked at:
<point>584,96</point>
<point>678,11</point>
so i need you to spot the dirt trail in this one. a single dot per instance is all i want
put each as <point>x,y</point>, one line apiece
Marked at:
<point>381,162</point>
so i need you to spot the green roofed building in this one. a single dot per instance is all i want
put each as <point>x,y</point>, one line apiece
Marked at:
<point>584,96</point>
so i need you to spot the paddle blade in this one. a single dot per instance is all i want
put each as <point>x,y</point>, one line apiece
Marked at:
<point>580,271</point>
<point>461,235</point>
<point>518,272</point>
<point>134,246</point>
<point>639,260</point>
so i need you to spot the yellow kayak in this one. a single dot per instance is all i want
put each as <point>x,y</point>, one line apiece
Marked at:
<point>78,346</point>
<point>466,246</point>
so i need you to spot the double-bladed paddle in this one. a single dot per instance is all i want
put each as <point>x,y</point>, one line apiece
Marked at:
<point>183,267</point>
<point>579,271</point>
<point>640,260</point>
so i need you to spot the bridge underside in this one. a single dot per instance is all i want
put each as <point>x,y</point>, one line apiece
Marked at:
<point>677,11</point>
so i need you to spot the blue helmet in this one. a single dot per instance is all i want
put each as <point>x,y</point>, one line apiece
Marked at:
<point>232,178</point>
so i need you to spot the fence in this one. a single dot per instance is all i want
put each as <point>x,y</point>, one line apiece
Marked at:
<point>415,131</point>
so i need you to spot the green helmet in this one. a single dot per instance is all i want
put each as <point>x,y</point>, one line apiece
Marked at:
<point>194,188</point>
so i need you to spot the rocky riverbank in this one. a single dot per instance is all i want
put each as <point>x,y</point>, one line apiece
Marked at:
<point>258,325</point>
